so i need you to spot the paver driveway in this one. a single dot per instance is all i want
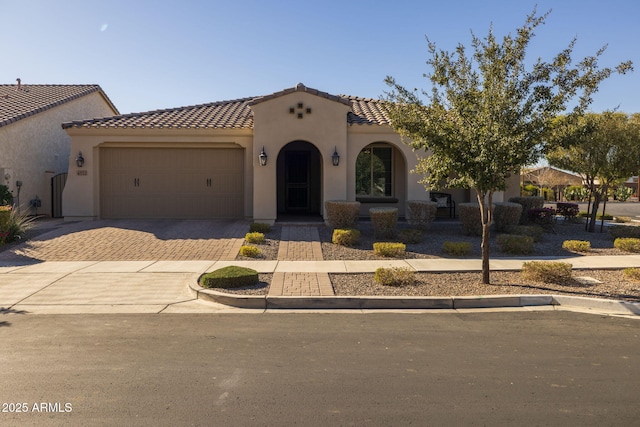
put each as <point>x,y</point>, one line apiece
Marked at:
<point>126,240</point>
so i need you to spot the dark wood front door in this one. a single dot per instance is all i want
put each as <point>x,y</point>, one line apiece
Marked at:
<point>297,181</point>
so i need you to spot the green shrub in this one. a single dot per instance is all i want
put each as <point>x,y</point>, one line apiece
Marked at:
<point>585,214</point>
<point>527,203</point>
<point>421,213</point>
<point>547,271</point>
<point>616,231</point>
<point>577,245</point>
<point>396,276</point>
<point>515,244</point>
<point>384,221</point>
<point>255,238</point>
<point>259,227</point>
<point>622,193</point>
<point>535,231</point>
<point>627,244</point>
<point>457,248</point>
<point>576,192</point>
<point>568,210</point>
<point>632,273</point>
<point>229,277</point>
<point>342,213</point>
<point>410,236</point>
<point>250,251</point>
<point>506,215</point>
<point>345,237</point>
<point>470,218</point>
<point>389,249</point>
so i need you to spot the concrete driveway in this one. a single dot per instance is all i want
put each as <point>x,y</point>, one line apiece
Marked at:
<point>131,240</point>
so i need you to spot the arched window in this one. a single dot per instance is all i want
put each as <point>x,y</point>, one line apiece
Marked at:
<point>374,171</point>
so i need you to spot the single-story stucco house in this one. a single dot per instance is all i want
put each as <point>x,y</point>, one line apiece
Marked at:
<point>34,150</point>
<point>260,158</point>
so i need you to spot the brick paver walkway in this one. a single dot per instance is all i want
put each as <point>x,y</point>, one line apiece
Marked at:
<point>300,243</point>
<point>133,240</point>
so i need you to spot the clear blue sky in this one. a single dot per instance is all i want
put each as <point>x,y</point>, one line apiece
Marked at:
<point>149,55</point>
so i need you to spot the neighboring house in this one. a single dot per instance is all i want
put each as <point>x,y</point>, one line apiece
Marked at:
<point>33,146</point>
<point>551,177</point>
<point>259,158</point>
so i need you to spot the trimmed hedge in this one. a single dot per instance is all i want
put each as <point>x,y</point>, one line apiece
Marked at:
<point>506,215</point>
<point>384,221</point>
<point>421,213</point>
<point>627,244</point>
<point>527,203</point>
<point>577,245</point>
<point>616,231</point>
<point>229,277</point>
<point>345,237</point>
<point>250,251</point>
<point>389,249</point>
<point>457,248</point>
<point>342,213</point>
<point>535,231</point>
<point>395,276</point>
<point>547,271</point>
<point>255,238</point>
<point>515,244</point>
<point>470,218</point>
<point>410,235</point>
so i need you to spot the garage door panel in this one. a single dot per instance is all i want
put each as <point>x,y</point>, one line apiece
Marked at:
<point>171,183</point>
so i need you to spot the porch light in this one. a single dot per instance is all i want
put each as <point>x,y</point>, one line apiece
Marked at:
<point>262,157</point>
<point>80,160</point>
<point>336,157</point>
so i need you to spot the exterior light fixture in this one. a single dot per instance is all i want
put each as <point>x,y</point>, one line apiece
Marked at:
<point>335,158</point>
<point>80,160</point>
<point>262,157</point>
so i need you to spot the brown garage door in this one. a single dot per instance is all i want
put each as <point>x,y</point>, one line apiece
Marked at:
<point>171,183</point>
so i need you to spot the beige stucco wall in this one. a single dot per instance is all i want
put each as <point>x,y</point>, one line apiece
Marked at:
<point>81,198</point>
<point>34,149</point>
<point>274,127</point>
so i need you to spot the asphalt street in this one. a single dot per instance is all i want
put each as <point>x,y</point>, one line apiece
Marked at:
<point>505,368</point>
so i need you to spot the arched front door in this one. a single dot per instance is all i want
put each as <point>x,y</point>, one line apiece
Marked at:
<point>299,179</point>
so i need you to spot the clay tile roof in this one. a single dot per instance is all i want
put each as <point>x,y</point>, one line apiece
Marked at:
<point>223,114</point>
<point>17,104</point>
<point>235,114</point>
<point>366,111</point>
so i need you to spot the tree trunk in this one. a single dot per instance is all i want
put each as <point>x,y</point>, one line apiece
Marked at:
<point>604,208</point>
<point>594,212</point>
<point>486,217</point>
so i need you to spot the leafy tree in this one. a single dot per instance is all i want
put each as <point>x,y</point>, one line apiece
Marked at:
<point>489,112</point>
<point>604,148</point>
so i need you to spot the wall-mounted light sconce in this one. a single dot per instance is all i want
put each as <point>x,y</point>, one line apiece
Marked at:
<point>80,160</point>
<point>335,158</point>
<point>262,157</point>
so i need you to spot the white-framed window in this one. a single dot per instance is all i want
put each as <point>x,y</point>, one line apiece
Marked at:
<point>374,171</point>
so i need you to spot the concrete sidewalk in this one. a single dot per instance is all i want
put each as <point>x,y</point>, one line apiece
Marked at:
<point>171,286</point>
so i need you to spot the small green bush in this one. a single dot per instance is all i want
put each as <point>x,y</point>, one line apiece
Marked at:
<point>515,244</point>
<point>384,221</point>
<point>577,245</point>
<point>410,236</point>
<point>506,215</point>
<point>470,218</point>
<point>229,277</point>
<point>13,224</point>
<point>250,251</point>
<point>389,249</point>
<point>396,276</point>
<point>632,273</point>
<point>622,193</point>
<point>616,231</point>
<point>547,271</point>
<point>627,244</point>
<point>259,227</point>
<point>457,248</point>
<point>342,213</point>
<point>421,213</point>
<point>535,231</point>
<point>527,203</point>
<point>345,237</point>
<point>255,238</point>
<point>585,214</point>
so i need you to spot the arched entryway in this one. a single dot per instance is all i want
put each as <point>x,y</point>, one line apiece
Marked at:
<point>299,177</point>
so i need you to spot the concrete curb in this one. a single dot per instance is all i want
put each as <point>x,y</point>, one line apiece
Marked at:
<point>377,302</point>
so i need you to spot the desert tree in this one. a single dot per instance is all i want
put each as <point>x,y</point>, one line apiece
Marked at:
<point>489,112</point>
